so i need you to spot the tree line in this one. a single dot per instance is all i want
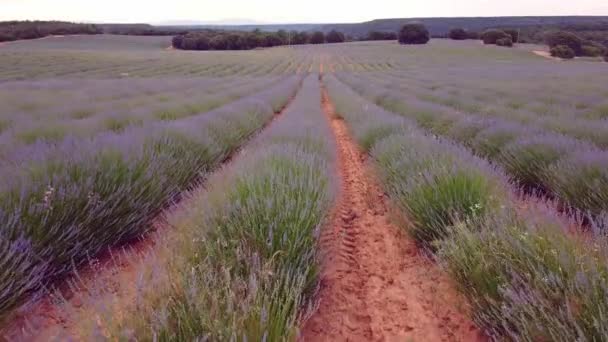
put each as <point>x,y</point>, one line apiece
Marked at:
<point>17,30</point>
<point>238,40</point>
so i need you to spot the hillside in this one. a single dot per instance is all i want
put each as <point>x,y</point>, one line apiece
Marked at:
<point>441,26</point>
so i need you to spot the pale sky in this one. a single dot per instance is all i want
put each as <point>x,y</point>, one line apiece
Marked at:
<point>282,11</point>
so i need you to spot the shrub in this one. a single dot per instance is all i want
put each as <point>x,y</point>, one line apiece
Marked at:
<point>465,131</point>
<point>271,40</point>
<point>6,37</point>
<point>529,280</point>
<point>514,34</point>
<point>581,180</point>
<point>378,35</point>
<point>527,160</point>
<point>493,35</point>
<point>506,42</point>
<point>335,37</point>
<point>432,184</point>
<point>562,51</point>
<point>177,41</point>
<point>413,34</point>
<point>300,38</point>
<point>233,42</point>
<point>490,141</point>
<point>317,38</point>
<point>559,38</point>
<point>473,35</point>
<point>592,50</point>
<point>458,34</point>
<point>606,56</point>
<point>218,43</point>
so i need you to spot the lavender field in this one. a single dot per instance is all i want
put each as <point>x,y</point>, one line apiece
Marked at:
<point>497,157</point>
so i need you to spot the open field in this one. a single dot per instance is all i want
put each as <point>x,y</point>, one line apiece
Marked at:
<point>360,191</point>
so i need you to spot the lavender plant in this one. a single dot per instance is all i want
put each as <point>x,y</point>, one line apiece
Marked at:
<point>246,256</point>
<point>83,197</point>
<point>527,277</point>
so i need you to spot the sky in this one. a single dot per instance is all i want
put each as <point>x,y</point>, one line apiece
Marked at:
<point>284,11</point>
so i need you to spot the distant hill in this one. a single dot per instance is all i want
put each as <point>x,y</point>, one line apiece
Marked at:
<point>441,26</point>
<point>251,27</point>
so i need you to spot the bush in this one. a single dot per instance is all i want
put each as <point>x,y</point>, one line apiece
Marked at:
<point>6,37</point>
<point>300,38</point>
<point>473,35</point>
<point>592,50</point>
<point>218,43</point>
<point>562,51</point>
<point>435,187</point>
<point>177,41</point>
<point>558,38</point>
<point>529,280</point>
<point>606,56</point>
<point>413,34</point>
<point>514,34</point>
<point>581,180</point>
<point>335,37</point>
<point>493,35</point>
<point>14,30</point>
<point>235,40</point>
<point>377,35</point>
<point>506,42</point>
<point>317,38</point>
<point>271,40</point>
<point>527,160</point>
<point>458,34</point>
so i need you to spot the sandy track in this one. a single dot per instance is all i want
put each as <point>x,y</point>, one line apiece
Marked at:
<point>374,284</point>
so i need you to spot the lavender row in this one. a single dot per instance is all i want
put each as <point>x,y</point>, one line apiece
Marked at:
<point>573,171</point>
<point>245,262</point>
<point>526,277</point>
<point>85,196</point>
<point>589,126</point>
<point>43,128</point>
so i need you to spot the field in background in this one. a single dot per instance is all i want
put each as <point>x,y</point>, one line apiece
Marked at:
<point>99,133</point>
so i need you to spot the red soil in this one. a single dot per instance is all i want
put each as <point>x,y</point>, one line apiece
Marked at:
<point>375,286</point>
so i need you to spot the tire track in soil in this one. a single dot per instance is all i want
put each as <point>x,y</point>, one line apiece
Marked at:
<point>375,286</point>
<point>110,279</point>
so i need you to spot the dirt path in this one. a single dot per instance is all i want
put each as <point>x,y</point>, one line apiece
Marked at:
<point>111,282</point>
<point>546,54</point>
<point>374,284</point>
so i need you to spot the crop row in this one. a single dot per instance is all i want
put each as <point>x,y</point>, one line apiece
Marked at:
<point>242,262</point>
<point>526,277</point>
<point>27,63</point>
<point>587,124</point>
<point>83,196</point>
<point>571,170</point>
<point>29,132</point>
